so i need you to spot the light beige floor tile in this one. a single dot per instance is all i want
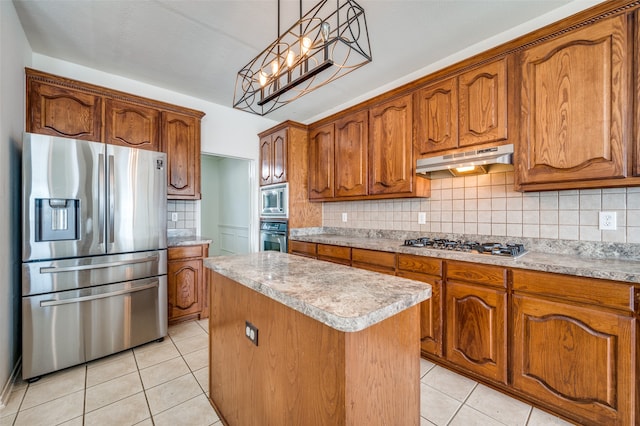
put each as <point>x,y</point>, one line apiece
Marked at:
<point>198,359</point>
<point>467,416</point>
<point>153,346</point>
<point>8,419</point>
<point>184,330</point>
<point>196,411</point>
<point>204,323</point>
<point>114,390</point>
<point>498,406</point>
<point>425,367</point>
<point>154,355</point>
<point>170,394</point>
<point>54,386</point>
<point>109,359</point>
<point>105,371</point>
<point>163,372</point>
<point>437,407</point>
<point>145,422</point>
<point>15,399</point>
<point>78,421</point>
<point>128,411</point>
<point>53,412</point>
<point>542,418</point>
<point>202,376</point>
<point>450,383</point>
<point>425,422</point>
<point>192,344</point>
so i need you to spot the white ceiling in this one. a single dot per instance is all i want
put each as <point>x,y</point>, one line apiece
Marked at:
<point>196,47</point>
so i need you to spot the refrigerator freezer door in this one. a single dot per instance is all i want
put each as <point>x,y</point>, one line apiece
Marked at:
<point>61,197</point>
<point>71,327</point>
<point>136,200</point>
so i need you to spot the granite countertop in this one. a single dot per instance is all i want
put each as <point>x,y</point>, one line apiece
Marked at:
<point>344,298</point>
<point>613,268</point>
<point>187,240</point>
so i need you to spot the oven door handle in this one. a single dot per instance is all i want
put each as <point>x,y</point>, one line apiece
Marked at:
<point>55,270</point>
<point>46,303</point>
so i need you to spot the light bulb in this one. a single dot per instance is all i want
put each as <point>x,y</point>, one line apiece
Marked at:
<point>305,45</point>
<point>325,29</point>
<point>274,67</point>
<point>263,78</point>
<point>290,59</point>
<point>465,169</point>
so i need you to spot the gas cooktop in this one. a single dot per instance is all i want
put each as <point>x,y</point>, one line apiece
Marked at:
<point>512,250</point>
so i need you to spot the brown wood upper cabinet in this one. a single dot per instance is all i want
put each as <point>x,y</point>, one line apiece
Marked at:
<point>391,160</point>
<point>181,142</point>
<point>59,111</point>
<point>63,107</point>
<point>636,54</point>
<point>338,159</point>
<point>575,109</point>
<point>273,157</point>
<point>131,125</point>
<point>467,109</point>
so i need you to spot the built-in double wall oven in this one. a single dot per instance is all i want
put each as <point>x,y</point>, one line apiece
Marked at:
<point>273,235</point>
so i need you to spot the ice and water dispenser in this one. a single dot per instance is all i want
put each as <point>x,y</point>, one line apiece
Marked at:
<point>57,219</point>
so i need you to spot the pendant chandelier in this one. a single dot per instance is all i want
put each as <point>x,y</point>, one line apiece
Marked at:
<point>329,41</point>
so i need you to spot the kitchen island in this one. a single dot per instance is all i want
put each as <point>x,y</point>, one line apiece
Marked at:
<point>299,341</point>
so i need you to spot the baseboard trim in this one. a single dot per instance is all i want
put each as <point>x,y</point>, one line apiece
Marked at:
<point>8,387</point>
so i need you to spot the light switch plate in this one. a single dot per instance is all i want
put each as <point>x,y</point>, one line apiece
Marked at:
<point>344,217</point>
<point>422,218</point>
<point>174,217</point>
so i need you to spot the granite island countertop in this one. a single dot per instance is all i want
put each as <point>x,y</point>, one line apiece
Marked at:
<point>613,268</point>
<point>344,298</point>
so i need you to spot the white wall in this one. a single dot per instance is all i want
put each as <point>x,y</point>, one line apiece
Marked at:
<point>15,54</point>
<point>210,189</point>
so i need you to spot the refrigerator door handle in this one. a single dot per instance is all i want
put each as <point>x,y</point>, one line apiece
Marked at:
<point>101,195</point>
<point>112,184</point>
<point>46,303</point>
<point>55,270</point>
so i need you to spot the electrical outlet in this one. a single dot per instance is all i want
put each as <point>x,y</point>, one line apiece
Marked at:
<point>251,331</point>
<point>174,217</point>
<point>422,218</point>
<point>344,217</point>
<point>607,221</point>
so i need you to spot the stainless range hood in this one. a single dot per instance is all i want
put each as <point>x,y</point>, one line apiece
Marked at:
<point>466,163</point>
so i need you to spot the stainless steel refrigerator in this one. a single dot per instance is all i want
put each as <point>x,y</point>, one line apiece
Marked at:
<point>94,251</point>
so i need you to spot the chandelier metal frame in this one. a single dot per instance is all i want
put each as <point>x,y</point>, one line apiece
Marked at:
<point>328,42</point>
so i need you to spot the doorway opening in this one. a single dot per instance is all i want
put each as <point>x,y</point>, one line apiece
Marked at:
<point>226,206</point>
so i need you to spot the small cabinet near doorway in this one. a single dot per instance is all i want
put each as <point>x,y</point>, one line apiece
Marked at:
<point>188,297</point>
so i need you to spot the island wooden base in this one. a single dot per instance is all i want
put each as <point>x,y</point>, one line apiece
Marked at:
<point>304,372</point>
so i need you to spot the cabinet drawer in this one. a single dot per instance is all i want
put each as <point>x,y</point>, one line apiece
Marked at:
<point>185,252</point>
<point>336,254</point>
<point>302,248</point>
<point>420,264</point>
<point>475,273</point>
<point>593,291</point>
<point>381,261</point>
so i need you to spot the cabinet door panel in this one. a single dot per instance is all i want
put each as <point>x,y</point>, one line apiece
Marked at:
<point>279,165</point>
<point>321,162</point>
<point>132,125</point>
<point>351,143</point>
<point>476,329</point>
<point>182,144</point>
<point>573,106</point>
<point>437,117</point>
<point>636,53</point>
<point>578,359</point>
<point>431,317</point>
<point>391,147</point>
<point>63,112</point>
<point>266,160</point>
<point>483,104</point>
<point>184,287</point>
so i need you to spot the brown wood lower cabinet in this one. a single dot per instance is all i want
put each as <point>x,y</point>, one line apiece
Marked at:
<point>580,356</point>
<point>567,344</point>
<point>186,287</point>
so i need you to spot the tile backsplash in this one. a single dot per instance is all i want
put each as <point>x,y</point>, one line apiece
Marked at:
<point>488,205</point>
<point>188,213</point>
